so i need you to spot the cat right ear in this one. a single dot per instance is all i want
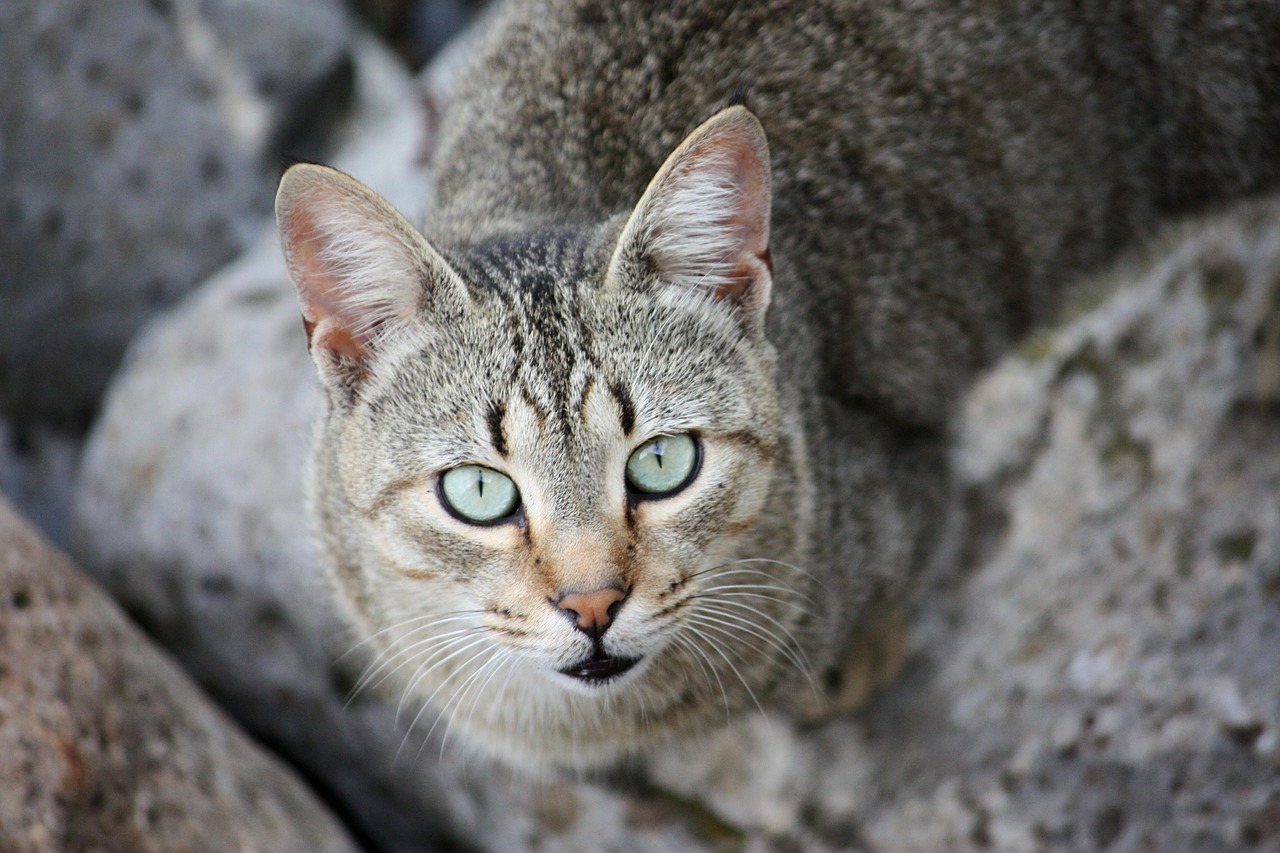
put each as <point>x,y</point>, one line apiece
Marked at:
<point>703,221</point>
<point>360,269</point>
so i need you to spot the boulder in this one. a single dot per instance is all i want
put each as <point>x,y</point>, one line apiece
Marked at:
<point>139,144</point>
<point>233,589</point>
<point>106,745</point>
<point>1093,662</point>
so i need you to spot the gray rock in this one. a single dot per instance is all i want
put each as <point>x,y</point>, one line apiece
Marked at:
<point>1093,666</point>
<point>37,470</point>
<point>106,745</point>
<point>139,143</point>
<point>230,578</point>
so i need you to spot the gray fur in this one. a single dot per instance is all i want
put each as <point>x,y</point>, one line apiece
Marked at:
<point>941,172</point>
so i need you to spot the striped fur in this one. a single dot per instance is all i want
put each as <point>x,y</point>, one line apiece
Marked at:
<point>939,174</point>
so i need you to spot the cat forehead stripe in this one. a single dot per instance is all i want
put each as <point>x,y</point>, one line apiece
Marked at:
<point>528,263</point>
<point>496,434</point>
<point>626,408</point>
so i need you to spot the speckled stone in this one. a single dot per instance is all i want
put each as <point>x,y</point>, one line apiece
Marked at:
<point>233,589</point>
<point>139,143</point>
<point>106,745</point>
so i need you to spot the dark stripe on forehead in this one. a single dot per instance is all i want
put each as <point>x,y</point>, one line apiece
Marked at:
<point>496,436</point>
<point>532,264</point>
<point>587,385</point>
<point>539,414</point>
<point>626,408</point>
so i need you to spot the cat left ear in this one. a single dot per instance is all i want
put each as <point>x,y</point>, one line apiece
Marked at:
<point>703,221</point>
<point>360,269</point>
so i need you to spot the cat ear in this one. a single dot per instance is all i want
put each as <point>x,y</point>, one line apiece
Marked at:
<point>360,269</point>
<point>703,221</point>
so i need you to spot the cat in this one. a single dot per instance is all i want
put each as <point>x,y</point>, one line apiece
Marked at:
<point>650,429</point>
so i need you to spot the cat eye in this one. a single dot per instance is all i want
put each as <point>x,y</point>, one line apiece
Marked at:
<point>478,494</point>
<point>663,465</point>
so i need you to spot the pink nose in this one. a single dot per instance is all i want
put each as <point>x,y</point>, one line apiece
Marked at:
<point>592,611</point>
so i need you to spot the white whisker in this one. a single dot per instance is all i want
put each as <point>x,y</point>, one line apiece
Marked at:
<point>440,618</point>
<point>367,678</point>
<point>495,663</point>
<point>428,666</point>
<point>786,644</point>
<point>693,619</point>
<point>427,704</point>
<point>704,662</point>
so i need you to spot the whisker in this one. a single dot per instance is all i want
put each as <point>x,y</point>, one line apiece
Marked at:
<point>450,616</point>
<point>748,590</point>
<point>731,632</point>
<point>790,647</point>
<point>428,666</point>
<point>731,600</point>
<point>459,694</point>
<point>766,560</point>
<point>495,663</point>
<point>716,648</point>
<point>367,678</point>
<point>705,663</point>
<point>427,704</point>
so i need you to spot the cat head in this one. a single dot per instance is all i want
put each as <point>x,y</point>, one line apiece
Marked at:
<point>541,451</point>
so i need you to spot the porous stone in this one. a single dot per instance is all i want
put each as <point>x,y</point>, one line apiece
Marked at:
<point>37,470</point>
<point>139,143</point>
<point>230,583</point>
<point>106,745</point>
<point>1092,666</point>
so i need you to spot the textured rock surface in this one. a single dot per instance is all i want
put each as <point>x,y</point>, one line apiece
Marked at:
<point>139,143</point>
<point>230,577</point>
<point>106,745</point>
<point>37,469</point>
<point>1093,668</point>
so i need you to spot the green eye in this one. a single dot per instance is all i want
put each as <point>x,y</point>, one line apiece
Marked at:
<point>478,494</point>
<point>663,465</point>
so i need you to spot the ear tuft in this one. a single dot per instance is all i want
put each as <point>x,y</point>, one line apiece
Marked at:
<point>360,269</point>
<point>703,221</point>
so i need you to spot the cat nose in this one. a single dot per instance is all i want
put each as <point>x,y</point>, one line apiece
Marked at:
<point>592,612</point>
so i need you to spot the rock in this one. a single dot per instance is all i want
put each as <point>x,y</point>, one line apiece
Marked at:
<point>232,578</point>
<point>106,745</point>
<point>139,145</point>
<point>37,470</point>
<point>1093,664</point>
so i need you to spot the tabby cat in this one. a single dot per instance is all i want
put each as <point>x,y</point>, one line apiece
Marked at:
<point>650,428</point>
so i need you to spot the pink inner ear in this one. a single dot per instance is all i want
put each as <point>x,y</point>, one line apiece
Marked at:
<point>748,220</point>
<point>319,288</point>
<point>753,217</point>
<point>746,272</point>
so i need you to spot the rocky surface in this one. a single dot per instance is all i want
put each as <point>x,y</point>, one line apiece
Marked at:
<point>139,143</point>
<point>106,745</point>
<point>37,469</point>
<point>235,581</point>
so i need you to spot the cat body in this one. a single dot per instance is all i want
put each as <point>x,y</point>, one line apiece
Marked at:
<point>796,290</point>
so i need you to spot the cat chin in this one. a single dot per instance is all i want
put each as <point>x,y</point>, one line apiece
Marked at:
<point>630,671</point>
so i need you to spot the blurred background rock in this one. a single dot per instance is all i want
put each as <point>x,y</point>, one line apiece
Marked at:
<point>140,143</point>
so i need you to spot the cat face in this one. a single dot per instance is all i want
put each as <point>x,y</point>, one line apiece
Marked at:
<point>543,454</point>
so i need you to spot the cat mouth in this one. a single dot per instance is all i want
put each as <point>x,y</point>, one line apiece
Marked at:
<point>600,668</point>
